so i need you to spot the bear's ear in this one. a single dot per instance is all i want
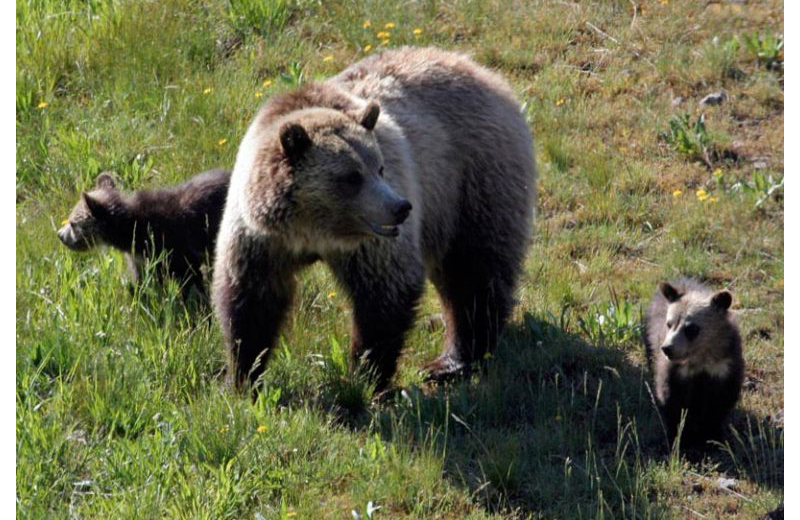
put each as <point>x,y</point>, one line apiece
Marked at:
<point>294,140</point>
<point>105,181</point>
<point>722,300</point>
<point>369,116</point>
<point>96,207</point>
<point>669,292</point>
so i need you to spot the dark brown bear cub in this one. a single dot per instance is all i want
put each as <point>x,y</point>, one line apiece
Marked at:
<point>695,353</point>
<point>180,222</point>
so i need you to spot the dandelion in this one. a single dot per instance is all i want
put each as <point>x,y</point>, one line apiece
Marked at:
<point>713,200</point>
<point>368,48</point>
<point>328,58</point>
<point>222,141</point>
<point>42,105</point>
<point>702,194</point>
<point>417,32</point>
<point>385,42</point>
<point>208,90</point>
<point>718,173</point>
<point>389,25</point>
<point>259,94</point>
<point>267,83</point>
<point>261,429</point>
<point>224,429</point>
<point>367,24</point>
<point>291,514</point>
<point>677,193</point>
<point>383,35</point>
<point>560,102</point>
<point>331,295</point>
<point>488,355</point>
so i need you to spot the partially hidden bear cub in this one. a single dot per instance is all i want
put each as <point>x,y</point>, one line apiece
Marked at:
<point>180,221</point>
<point>410,164</point>
<point>695,354</point>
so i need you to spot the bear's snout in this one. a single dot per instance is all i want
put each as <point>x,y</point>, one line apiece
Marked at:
<point>401,211</point>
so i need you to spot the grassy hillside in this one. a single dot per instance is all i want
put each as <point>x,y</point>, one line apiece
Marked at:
<point>120,409</point>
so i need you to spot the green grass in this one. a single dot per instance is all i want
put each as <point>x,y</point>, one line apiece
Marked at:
<point>120,408</point>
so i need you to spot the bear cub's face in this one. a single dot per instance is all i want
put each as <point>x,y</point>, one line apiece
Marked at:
<point>336,171</point>
<point>84,228</point>
<point>693,323</point>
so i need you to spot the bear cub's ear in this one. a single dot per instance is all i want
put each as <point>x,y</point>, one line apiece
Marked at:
<point>722,300</point>
<point>105,181</point>
<point>96,207</point>
<point>670,293</point>
<point>294,140</point>
<point>369,116</point>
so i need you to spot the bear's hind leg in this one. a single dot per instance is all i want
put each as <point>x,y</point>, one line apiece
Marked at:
<point>476,295</point>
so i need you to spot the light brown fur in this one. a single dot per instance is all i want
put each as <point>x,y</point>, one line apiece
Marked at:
<point>451,140</point>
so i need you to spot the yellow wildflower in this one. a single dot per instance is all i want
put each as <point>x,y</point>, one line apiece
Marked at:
<point>41,105</point>
<point>389,25</point>
<point>701,194</point>
<point>327,58</point>
<point>208,90</point>
<point>560,102</point>
<point>385,42</point>
<point>713,200</point>
<point>291,514</point>
<point>331,295</point>
<point>368,48</point>
<point>417,32</point>
<point>224,429</point>
<point>383,35</point>
<point>718,173</point>
<point>64,222</point>
<point>222,141</point>
<point>677,193</point>
<point>261,429</point>
<point>367,24</point>
<point>259,94</point>
<point>267,83</point>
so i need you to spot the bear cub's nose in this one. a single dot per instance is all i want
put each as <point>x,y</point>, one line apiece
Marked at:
<point>401,211</point>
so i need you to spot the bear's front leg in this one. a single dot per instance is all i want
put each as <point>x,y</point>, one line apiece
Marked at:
<point>384,293</point>
<point>252,292</point>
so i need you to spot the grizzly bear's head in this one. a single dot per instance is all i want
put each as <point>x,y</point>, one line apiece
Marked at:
<point>318,181</point>
<point>695,323</point>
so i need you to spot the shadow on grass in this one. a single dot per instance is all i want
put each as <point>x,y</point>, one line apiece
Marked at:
<point>559,427</point>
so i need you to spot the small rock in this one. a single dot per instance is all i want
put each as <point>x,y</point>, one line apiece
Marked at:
<point>715,98</point>
<point>760,163</point>
<point>677,100</point>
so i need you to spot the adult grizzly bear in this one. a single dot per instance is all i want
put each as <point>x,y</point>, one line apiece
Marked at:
<point>332,170</point>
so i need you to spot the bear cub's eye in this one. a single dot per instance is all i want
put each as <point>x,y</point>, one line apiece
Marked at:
<point>380,171</point>
<point>691,331</point>
<point>670,323</point>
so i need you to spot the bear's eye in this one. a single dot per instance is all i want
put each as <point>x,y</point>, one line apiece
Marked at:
<point>670,323</point>
<point>691,331</point>
<point>353,179</point>
<point>380,171</point>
